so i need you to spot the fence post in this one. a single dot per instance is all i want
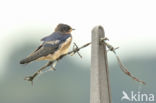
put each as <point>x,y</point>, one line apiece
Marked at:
<point>100,89</point>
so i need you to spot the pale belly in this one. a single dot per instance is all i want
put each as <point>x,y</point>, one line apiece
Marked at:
<point>62,50</point>
<point>57,54</point>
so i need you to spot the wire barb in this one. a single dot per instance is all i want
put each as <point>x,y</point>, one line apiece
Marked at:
<point>76,50</point>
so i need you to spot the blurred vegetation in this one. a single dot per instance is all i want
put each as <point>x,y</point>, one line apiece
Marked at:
<point>70,83</point>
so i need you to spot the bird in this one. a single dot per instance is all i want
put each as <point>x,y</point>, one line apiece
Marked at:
<point>53,46</point>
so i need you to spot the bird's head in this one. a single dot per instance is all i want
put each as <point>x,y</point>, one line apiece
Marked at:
<point>64,28</point>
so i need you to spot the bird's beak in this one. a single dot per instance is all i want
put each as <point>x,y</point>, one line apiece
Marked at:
<point>73,29</point>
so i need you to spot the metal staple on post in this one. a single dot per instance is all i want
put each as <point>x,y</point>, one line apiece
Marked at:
<point>100,87</point>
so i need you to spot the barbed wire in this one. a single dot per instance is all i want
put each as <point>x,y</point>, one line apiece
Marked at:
<point>75,50</point>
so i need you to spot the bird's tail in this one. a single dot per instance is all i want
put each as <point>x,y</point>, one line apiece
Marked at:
<point>30,58</point>
<point>26,60</point>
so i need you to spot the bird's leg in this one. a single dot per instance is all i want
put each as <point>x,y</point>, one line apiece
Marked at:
<point>30,78</point>
<point>52,67</point>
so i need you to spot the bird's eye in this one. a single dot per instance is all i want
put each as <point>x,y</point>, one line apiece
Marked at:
<point>67,28</point>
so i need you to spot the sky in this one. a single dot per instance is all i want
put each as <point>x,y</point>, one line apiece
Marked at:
<point>129,24</point>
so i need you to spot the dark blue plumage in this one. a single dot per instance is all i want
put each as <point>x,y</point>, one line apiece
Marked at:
<point>56,36</point>
<point>53,46</point>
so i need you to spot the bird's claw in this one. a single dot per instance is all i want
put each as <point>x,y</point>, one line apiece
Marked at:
<point>52,68</point>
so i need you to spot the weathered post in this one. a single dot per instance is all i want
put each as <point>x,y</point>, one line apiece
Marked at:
<point>100,89</point>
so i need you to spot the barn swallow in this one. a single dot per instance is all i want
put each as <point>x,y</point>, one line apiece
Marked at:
<point>53,46</point>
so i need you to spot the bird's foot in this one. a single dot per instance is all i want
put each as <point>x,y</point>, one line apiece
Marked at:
<point>52,68</point>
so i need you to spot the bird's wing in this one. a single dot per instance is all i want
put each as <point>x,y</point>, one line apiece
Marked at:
<point>39,52</point>
<point>35,50</point>
<point>48,47</point>
<point>48,39</point>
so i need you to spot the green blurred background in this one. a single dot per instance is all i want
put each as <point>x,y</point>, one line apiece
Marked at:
<point>71,81</point>
<point>128,24</point>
